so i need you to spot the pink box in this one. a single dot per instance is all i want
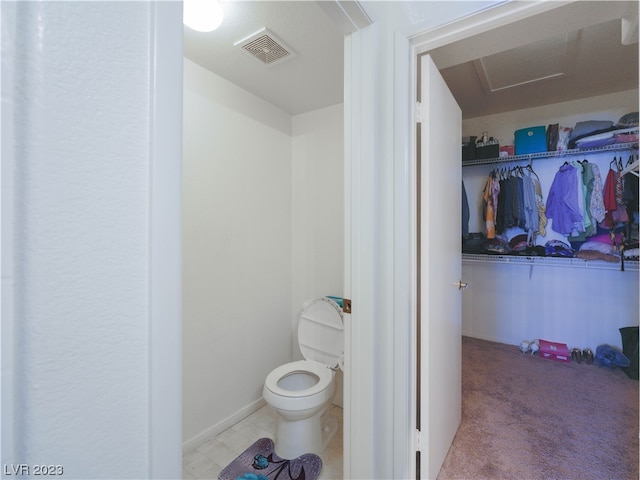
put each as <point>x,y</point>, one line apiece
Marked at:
<point>507,149</point>
<point>554,351</point>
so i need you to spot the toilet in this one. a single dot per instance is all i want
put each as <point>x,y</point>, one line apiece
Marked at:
<point>301,391</point>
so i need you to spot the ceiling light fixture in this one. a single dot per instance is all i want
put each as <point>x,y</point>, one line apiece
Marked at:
<point>202,15</point>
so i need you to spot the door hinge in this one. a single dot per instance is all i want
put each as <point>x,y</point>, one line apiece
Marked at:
<point>420,113</point>
<point>419,441</point>
<point>346,305</point>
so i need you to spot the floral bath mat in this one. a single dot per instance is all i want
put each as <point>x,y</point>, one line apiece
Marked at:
<point>259,462</point>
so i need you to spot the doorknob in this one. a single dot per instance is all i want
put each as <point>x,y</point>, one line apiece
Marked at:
<point>462,285</point>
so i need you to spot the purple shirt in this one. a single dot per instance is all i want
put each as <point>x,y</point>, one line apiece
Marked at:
<point>562,202</point>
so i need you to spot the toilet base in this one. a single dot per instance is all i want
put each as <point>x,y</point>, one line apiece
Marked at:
<point>311,435</point>
<point>295,438</point>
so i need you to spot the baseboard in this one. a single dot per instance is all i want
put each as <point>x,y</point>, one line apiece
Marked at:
<point>491,338</point>
<point>221,426</point>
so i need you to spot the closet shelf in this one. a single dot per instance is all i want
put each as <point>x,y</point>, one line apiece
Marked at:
<point>617,147</point>
<point>629,265</point>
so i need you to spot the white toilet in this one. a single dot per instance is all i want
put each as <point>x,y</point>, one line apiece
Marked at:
<point>300,391</point>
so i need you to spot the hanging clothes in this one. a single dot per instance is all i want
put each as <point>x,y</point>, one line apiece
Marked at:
<point>596,203</point>
<point>631,199</point>
<point>518,201</point>
<point>505,205</point>
<point>587,181</point>
<point>609,196</point>
<point>542,209</point>
<point>510,213</point>
<point>490,206</point>
<point>465,212</point>
<point>630,194</point>
<point>580,235</point>
<point>562,202</point>
<point>532,220</point>
<point>615,208</point>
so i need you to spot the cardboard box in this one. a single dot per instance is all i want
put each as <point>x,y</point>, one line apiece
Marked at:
<point>530,140</point>
<point>554,351</point>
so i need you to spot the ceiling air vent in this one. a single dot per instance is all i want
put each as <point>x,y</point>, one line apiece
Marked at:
<point>266,47</point>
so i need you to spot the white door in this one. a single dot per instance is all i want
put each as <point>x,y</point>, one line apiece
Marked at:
<point>440,267</point>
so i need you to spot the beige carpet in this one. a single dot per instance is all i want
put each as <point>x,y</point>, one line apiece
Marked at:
<point>524,417</point>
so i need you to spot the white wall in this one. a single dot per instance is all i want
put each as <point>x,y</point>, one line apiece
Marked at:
<point>256,181</point>
<point>318,211</point>
<point>77,264</point>
<point>237,248</point>
<point>582,307</point>
<point>603,107</point>
<point>318,207</point>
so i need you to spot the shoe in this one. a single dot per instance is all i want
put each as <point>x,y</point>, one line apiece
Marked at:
<point>525,346</point>
<point>534,346</point>
<point>576,355</point>
<point>611,357</point>
<point>587,354</point>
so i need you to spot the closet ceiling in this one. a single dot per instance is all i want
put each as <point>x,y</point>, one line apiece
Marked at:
<point>578,50</point>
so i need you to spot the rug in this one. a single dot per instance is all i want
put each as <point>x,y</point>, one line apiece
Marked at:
<point>260,462</point>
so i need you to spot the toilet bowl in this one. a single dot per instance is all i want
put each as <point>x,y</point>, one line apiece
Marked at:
<point>301,391</point>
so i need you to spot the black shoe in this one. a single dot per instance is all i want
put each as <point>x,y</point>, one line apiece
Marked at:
<point>588,356</point>
<point>576,355</point>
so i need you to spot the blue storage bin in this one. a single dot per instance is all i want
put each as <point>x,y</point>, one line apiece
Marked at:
<point>530,140</point>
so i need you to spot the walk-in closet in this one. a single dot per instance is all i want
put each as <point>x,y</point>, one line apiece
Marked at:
<point>581,81</point>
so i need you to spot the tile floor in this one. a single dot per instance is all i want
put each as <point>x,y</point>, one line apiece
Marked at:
<point>207,460</point>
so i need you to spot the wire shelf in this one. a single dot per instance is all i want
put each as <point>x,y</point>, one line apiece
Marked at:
<point>629,265</point>
<point>616,147</point>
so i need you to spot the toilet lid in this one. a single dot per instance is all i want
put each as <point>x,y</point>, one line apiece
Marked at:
<point>321,332</point>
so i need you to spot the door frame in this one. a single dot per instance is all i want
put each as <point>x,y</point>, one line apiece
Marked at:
<point>165,240</point>
<point>390,44</point>
<point>420,44</point>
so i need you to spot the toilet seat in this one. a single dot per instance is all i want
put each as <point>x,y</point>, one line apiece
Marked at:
<point>321,341</point>
<point>321,332</point>
<point>324,374</point>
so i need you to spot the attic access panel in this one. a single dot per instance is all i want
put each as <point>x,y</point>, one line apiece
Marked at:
<point>543,60</point>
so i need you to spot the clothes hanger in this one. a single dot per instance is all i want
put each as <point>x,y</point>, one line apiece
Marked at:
<point>613,162</point>
<point>530,168</point>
